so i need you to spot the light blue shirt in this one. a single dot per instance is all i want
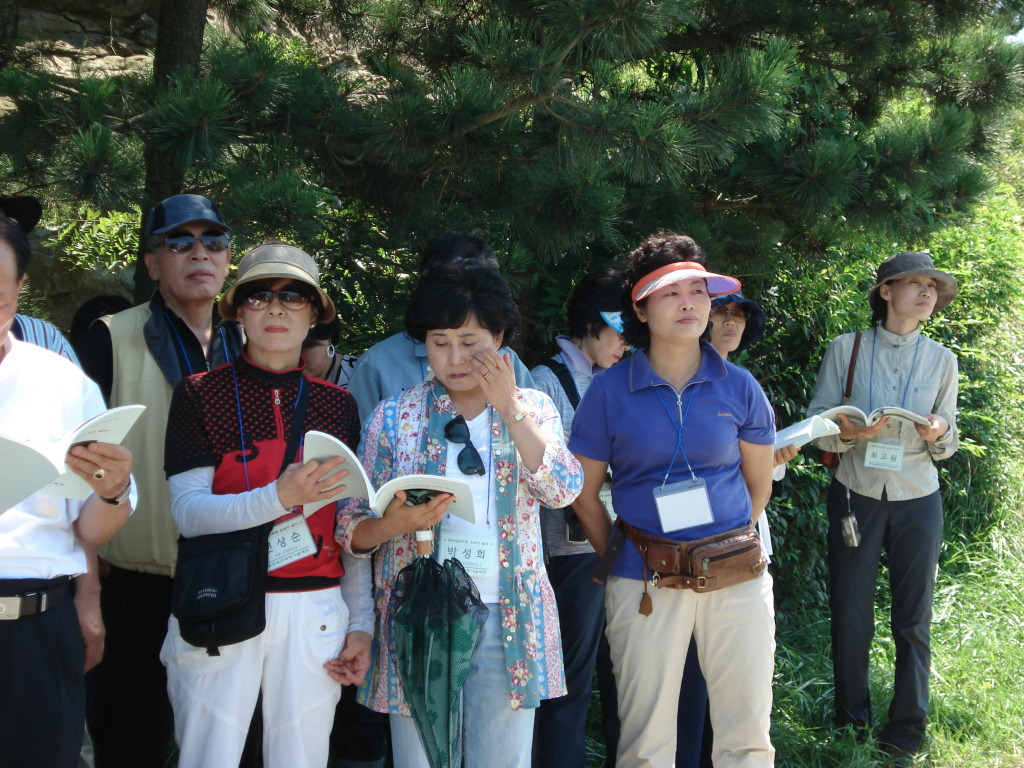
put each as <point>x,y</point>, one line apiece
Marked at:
<point>43,334</point>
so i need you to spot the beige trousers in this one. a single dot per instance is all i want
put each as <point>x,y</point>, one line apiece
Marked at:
<point>735,633</point>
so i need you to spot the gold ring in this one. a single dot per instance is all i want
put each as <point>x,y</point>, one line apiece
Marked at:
<point>100,473</point>
<point>486,374</point>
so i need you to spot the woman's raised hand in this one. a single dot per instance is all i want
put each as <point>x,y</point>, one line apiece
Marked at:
<point>497,379</point>
<point>305,483</point>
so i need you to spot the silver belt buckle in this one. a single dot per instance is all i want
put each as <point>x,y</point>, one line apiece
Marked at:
<point>10,608</point>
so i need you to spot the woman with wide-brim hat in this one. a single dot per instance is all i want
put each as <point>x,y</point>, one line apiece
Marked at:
<point>234,462</point>
<point>886,483</point>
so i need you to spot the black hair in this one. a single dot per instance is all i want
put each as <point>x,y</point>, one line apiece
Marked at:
<point>596,293</point>
<point>451,247</point>
<point>92,309</point>
<point>654,252</point>
<point>879,306</point>
<point>329,331</point>
<point>12,233</point>
<point>453,292</point>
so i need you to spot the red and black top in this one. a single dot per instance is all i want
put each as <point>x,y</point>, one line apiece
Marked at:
<point>203,431</point>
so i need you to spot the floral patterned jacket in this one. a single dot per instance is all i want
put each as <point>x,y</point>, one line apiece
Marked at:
<point>405,436</point>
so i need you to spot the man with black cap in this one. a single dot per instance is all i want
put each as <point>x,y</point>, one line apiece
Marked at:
<point>138,356</point>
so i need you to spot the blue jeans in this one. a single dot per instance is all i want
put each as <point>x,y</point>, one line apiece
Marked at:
<point>559,739</point>
<point>493,734</point>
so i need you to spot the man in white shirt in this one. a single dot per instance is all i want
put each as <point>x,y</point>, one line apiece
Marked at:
<point>42,699</point>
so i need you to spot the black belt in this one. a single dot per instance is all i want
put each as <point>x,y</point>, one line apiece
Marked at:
<point>301,583</point>
<point>25,597</point>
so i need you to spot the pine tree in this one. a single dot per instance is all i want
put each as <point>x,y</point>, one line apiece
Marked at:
<point>563,130</point>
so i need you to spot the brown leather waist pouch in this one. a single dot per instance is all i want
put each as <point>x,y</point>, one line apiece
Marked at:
<point>703,565</point>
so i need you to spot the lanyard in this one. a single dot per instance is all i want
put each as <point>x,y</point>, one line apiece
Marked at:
<point>181,344</point>
<point>679,430</point>
<point>241,427</point>
<point>871,379</point>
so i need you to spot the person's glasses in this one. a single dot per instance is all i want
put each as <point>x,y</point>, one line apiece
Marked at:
<point>721,313</point>
<point>457,431</point>
<point>183,242</point>
<point>258,300</point>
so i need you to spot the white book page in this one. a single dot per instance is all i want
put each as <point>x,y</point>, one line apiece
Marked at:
<point>108,427</point>
<point>461,506</point>
<point>805,431</point>
<point>319,446</point>
<point>23,471</point>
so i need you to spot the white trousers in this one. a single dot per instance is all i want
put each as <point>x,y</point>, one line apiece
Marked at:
<point>214,696</point>
<point>735,633</point>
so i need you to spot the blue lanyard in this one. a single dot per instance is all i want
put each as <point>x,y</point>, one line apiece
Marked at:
<point>241,428</point>
<point>871,379</point>
<point>679,430</point>
<point>181,344</point>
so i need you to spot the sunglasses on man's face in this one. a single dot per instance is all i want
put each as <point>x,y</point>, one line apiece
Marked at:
<point>261,298</point>
<point>457,431</point>
<point>183,242</point>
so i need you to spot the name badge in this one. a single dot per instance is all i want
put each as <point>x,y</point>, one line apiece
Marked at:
<point>290,541</point>
<point>478,554</point>
<point>605,495</point>
<point>683,505</point>
<point>884,456</point>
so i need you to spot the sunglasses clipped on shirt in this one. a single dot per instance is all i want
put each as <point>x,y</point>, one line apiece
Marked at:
<point>457,431</point>
<point>184,242</point>
<point>261,298</point>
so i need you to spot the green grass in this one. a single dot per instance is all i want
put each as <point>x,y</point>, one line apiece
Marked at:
<point>977,704</point>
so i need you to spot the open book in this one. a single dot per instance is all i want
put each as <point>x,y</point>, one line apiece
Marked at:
<point>869,420</point>
<point>824,423</point>
<point>29,465</point>
<point>803,432</point>
<point>320,446</point>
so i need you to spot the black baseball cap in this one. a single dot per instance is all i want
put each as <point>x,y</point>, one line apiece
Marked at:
<point>24,209</point>
<point>182,209</point>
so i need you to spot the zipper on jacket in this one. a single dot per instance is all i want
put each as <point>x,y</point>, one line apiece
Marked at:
<point>278,421</point>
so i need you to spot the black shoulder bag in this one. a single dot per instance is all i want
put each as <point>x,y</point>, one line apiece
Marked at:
<point>573,527</point>
<point>220,585</point>
<point>830,459</point>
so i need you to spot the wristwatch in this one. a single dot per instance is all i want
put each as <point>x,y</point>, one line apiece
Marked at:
<point>121,498</point>
<point>516,419</point>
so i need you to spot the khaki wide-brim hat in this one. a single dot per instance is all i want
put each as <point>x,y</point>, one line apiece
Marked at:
<point>271,261</point>
<point>908,264</point>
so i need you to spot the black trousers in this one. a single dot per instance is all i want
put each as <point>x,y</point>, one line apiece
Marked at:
<point>131,721</point>
<point>911,534</point>
<point>42,689</point>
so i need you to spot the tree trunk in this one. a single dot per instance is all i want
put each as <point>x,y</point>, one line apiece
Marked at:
<point>179,44</point>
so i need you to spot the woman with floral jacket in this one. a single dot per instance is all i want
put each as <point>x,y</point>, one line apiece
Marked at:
<point>470,422</point>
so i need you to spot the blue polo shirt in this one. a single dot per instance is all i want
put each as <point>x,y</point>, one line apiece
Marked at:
<point>630,417</point>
